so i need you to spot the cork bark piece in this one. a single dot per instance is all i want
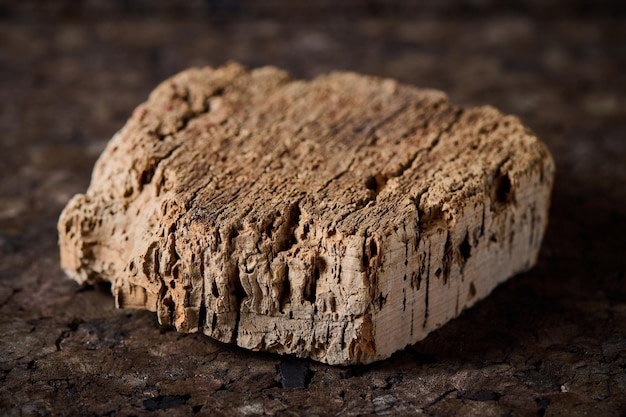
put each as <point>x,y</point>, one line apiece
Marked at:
<point>339,219</point>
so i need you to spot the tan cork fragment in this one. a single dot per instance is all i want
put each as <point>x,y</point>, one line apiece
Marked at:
<point>339,219</point>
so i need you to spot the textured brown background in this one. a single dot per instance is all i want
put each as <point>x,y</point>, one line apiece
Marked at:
<point>548,343</point>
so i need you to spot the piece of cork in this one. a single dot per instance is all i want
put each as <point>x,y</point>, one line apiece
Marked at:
<point>339,219</point>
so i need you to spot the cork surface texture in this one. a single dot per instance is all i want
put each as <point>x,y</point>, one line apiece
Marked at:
<point>549,342</point>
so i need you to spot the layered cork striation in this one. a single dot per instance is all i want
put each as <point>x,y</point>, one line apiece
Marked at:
<point>339,219</point>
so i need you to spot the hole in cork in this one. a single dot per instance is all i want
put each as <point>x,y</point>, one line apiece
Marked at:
<point>376,183</point>
<point>472,291</point>
<point>146,176</point>
<point>370,183</point>
<point>502,191</point>
<point>433,217</point>
<point>285,294</point>
<point>373,248</point>
<point>239,293</point>
<point>465,248</point>
<point>311,286</point>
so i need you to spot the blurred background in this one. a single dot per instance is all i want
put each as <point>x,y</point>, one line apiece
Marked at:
<point>71,72</point>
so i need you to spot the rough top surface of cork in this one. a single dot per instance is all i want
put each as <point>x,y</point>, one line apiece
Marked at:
<point>278,214</point>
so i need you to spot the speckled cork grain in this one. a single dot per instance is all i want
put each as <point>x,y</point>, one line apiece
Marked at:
<point>339,219</point>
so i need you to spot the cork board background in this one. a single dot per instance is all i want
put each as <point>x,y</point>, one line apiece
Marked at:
<point>550,342</point>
